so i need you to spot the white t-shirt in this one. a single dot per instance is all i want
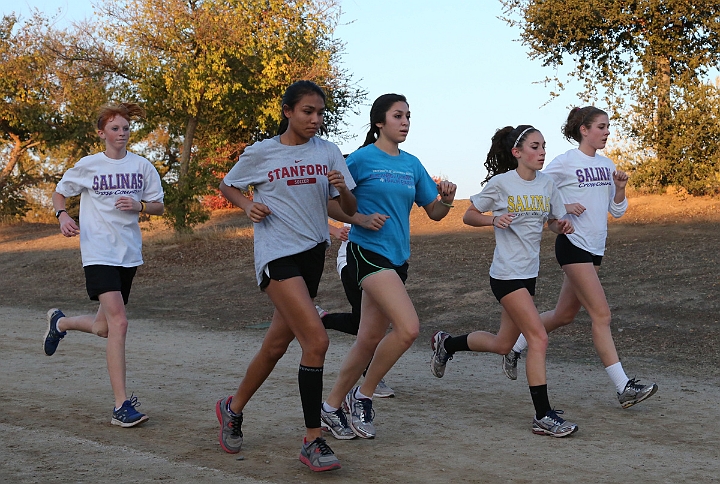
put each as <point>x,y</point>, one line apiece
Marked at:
<point>587,180</point>
<point>517,248</point>
<point>292,182</point>
<point>109,236</point>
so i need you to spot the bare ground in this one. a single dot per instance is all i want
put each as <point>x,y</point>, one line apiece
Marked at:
<point>194,305</point>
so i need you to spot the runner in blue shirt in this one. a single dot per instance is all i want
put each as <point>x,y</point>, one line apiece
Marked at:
<point>389,181</point>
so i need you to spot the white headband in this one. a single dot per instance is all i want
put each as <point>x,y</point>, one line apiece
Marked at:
<point>521,135</point>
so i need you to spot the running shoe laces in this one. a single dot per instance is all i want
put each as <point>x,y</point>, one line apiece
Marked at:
<point>133,401</point>
<point>555,415</point>
<point>323,447</point>
<point>368,413</point>
<point>633,383</point>
<point>236,420</point>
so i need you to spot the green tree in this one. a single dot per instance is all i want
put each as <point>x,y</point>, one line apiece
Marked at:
<point>26,119</point>
<point>692,142</point>
<point>45,113</point>
<point>648,56</point>
<point>211,73</point>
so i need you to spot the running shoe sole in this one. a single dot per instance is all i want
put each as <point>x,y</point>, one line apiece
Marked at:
<point>541,431</point>
<point>126,425</point>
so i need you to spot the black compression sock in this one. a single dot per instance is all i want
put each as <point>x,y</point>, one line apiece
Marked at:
<point>310,381</point>
<point>456,343</point>
<point>540,400</point>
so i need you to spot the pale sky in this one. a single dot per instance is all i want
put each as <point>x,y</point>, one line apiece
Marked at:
<point>463,71</point>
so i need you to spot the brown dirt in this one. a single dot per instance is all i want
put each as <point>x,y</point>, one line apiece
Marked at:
<point>194,305</point>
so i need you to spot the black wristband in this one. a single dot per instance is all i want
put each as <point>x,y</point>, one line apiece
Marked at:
<point>57,214</point>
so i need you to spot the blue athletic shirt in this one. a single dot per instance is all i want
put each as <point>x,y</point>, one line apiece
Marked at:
<point>388,185</point>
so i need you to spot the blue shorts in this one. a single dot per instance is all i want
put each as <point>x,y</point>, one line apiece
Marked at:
<point>502,287</point>
<point>364,263</point>
<point>100,279</point>
<point>567,253</point>
<point>309,265</point>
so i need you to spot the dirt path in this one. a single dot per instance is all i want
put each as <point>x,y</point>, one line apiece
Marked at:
<point>471,426</point>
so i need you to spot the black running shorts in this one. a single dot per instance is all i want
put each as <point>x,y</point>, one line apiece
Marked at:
<point>364,263</point>
<point>567,253</point>
<point>309,265</point>
<point>502,288</point>
<point>100,279</point>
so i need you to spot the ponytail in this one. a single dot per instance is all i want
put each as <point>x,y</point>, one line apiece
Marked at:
<point>284,123</point>
<point>378,111</point>
<point>372,136</point>
<point>500,158</point>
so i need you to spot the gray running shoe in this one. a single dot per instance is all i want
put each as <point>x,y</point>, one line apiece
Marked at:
<point>552,424</point>
<point>635,393</point>
<point>509,364</point>
<point>53,335</point>
<point>337,424</point>
<point>318,456</point>
<point>230,436</point>
<point>361,415</point>
<point>383,391</point>
<point>440,357</point>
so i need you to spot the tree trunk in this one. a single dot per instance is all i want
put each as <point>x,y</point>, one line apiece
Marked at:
<point>192,124</point>
<point>15,153</point>
<point>663,116</point>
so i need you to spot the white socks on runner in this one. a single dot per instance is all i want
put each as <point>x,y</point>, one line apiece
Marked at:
<point>618,376</point>
<point>328,408</point>
<point>520,344</point>
<point>359,395</point>
<point>615,372</point>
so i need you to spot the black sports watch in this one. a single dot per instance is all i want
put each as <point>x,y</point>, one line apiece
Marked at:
<point>57,214</point>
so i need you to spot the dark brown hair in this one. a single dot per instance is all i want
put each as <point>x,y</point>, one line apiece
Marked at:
<point>500,158</point>
<point>293,94</point>
<point>378,111</point>
<point>580,117</point>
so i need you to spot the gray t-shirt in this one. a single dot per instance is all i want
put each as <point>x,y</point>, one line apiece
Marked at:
<point>292,182</point>
<point>517,248</point>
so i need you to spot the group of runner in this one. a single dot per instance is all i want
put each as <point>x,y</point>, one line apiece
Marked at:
<point>298,180</point>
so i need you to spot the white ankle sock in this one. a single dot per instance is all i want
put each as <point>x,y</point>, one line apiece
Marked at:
<point>328,408</point>
<point>520,344</point>
<point>618,376</point>
<point>359,395</point>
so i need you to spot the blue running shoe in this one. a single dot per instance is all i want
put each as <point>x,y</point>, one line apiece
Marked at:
<point>53,336</point>
<point>126,415</point>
